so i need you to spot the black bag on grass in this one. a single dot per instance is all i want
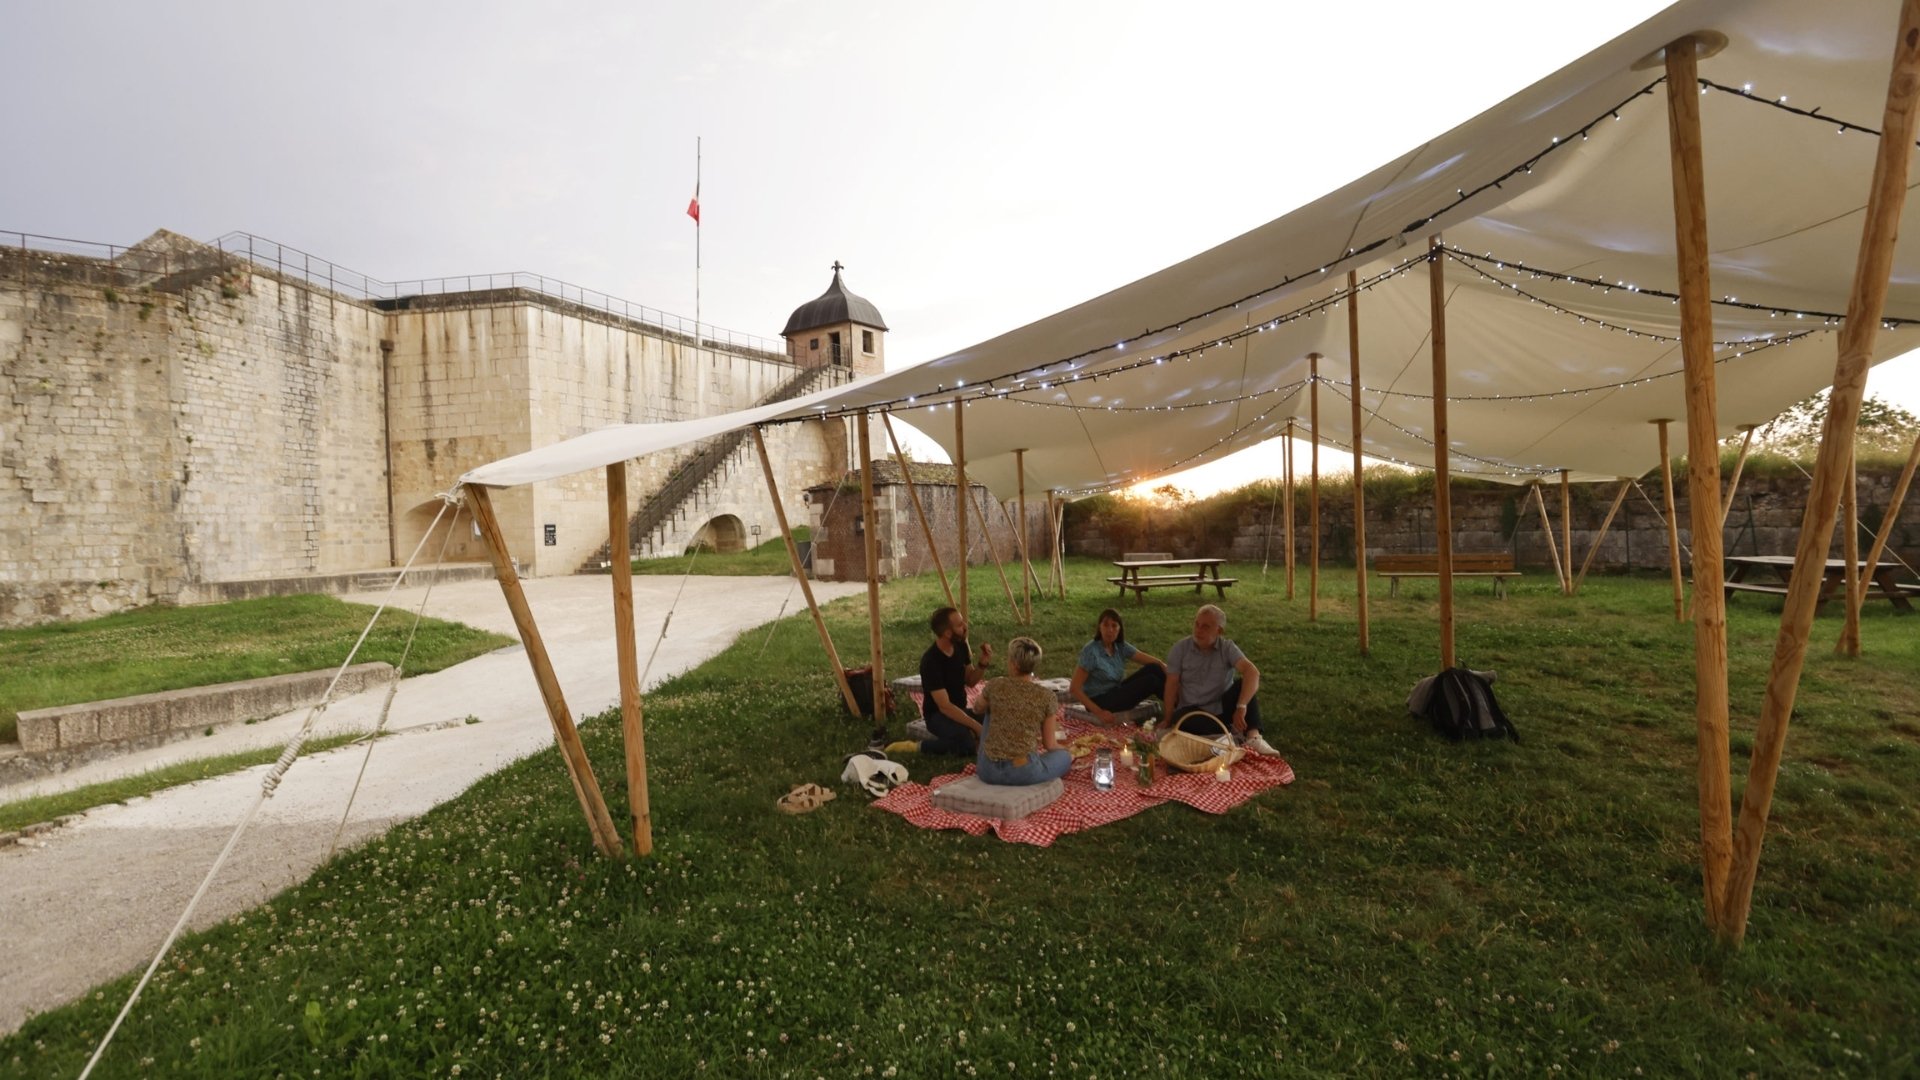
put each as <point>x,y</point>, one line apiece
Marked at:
<point>1460,705</point>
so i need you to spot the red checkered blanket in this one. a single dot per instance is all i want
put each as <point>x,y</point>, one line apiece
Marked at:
<point>1082,806</point>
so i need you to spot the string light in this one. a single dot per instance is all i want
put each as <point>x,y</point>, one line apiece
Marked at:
<point>1745,90</point>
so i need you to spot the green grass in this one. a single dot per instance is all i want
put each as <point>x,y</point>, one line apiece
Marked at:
<point>169,648</point>
<point>24,812</point>
<point>1408,907</point>
<point>769,559</point>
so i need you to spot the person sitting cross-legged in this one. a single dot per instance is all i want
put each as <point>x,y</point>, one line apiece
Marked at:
<point>1208,673</point>
<point>946,670</point>
<point>1100,683</point>
<point>1020,743</point>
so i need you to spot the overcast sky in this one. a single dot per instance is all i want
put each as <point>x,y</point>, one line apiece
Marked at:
<point>976,166</point>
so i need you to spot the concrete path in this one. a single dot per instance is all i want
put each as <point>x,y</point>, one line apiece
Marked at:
<point>93,900</point>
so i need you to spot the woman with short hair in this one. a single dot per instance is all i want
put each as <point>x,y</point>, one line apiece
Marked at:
<point>1020,743</point>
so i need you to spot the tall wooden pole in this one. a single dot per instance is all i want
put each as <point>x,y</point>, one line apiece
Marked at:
<point>579,770</point>
<point>1056,513</point>
<point>1359,486</point>
<point>1673,523</point>
<point>1026,584</point>
<point>964,495</point>
<point>1566,532</point>
<point>1560,569</point>
<point>1891,517</point>
<point>872,552</point>
<point>1849,643</point>
<point>1442,493</point>
<point>1313,489</point>
<point>1739,463</point>
<point>1703,475</point>
<point>800,576</point>
<point>1625,486</point>
<point>993,549</point>
<point>1286,498</point>
<point>913,493</point>
<point>633,735</point>
<point>1865,305</point>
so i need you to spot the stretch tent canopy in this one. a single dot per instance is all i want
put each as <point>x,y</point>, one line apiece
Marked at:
<point>1555,210</point>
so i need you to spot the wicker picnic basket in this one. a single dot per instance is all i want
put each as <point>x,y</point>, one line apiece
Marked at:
<point>1189,752</point>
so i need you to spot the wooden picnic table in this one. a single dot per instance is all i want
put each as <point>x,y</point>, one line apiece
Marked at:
<point>1204,572</point>
<point>1883,576</point>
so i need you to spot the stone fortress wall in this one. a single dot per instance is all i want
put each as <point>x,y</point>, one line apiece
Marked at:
<point>177,422</point>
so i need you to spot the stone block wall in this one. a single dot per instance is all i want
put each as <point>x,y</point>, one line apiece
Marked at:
<point>159,429</point>
<point>1765,520</point>
<point>839,552</point>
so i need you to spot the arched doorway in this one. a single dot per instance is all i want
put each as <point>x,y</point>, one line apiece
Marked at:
<point>724,534</point>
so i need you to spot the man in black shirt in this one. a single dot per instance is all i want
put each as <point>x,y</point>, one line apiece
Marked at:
<point>946,670</point>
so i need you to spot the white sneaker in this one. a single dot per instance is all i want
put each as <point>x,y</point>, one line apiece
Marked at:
<point>1259,745</point>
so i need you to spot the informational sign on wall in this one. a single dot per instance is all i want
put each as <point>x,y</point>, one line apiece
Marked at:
<point>553,535</point>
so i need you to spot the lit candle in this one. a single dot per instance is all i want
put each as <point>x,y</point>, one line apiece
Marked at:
<point>1222,775</point>
<point>1126,756</point>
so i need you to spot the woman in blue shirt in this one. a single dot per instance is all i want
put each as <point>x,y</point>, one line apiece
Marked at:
<point>1100,682</point>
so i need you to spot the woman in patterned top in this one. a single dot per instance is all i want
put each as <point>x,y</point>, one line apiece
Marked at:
<point>1020,744</point>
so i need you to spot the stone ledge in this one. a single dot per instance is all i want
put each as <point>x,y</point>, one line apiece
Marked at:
<point>68,727</point>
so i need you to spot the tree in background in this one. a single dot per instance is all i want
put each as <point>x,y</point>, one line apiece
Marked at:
<point>1796,431</point>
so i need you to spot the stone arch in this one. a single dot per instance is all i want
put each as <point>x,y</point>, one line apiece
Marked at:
<point>462,546</point>
<point>724,534</point>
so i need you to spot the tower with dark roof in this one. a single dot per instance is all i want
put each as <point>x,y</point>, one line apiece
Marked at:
<point>837,328</point>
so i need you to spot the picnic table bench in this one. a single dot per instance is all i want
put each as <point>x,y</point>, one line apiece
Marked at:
<point>1881,579</point>
<point>1496,565</point>
<point>1205,572</point>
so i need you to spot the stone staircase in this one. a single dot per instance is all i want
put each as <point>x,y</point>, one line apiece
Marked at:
<point>696,476</point>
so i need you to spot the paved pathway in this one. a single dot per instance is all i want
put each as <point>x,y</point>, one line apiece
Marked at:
<point>93,900</point>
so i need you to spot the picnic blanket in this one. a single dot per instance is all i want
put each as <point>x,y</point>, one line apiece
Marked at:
<point>1081,806</point>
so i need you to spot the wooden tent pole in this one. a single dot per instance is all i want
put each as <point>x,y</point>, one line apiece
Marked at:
<point>1359,486</point>
<point>872,553</point>
<point>800,575</point>
<point>1892,515</point>
<point>1026,581</point>
<point>632,734</point>
<point>1849,643</point>
<point>1287,505</point>
<point>1625,486</point>
<point>1566,533</point>
<point>1546,529</point>
<point>919,511</point>
<point>579,770</point>
<point>1673,523</point>
<point>1703,475</point>
<point>1033,576</point>
<point>1056,514</point>
<point>964,496</point>
<point>1739,463</point>
<point>1313,489</point>
<point>1442,495</point>
<point>993,549</point>
<point>1865,304</point>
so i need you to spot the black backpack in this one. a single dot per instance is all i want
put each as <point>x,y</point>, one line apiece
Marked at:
<point>1460,705</point>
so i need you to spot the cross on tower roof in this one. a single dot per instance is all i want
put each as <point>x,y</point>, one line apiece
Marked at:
<point>837,267</point>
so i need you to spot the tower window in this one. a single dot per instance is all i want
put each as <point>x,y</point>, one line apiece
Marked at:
<point>813,344</point>
<point>866,342</point>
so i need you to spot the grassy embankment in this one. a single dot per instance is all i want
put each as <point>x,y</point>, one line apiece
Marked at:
<point>1408,907</point>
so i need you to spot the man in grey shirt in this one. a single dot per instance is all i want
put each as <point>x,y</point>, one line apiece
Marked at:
<point>1208,673</point>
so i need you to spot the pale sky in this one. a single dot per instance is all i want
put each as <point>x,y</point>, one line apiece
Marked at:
<point>976,166</point>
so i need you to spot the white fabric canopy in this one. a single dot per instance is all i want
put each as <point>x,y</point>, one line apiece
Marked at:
<point>1569,177</point>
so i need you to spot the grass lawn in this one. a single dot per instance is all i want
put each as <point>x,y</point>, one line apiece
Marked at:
<point>1408,907</point>
<point>169,648</point>
<point>769,559</point>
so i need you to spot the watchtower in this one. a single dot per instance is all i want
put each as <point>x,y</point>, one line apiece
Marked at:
<point>837,329</point>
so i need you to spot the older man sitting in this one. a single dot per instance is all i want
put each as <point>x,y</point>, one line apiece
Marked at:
<point>1208,673</point>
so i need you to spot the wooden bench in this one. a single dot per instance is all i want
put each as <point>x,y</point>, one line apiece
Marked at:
<point>1498,566</point>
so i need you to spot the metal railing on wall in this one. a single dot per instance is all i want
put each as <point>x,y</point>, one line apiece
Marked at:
<point>122,265</point>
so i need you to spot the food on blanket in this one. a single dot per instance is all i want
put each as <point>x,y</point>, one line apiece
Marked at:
<point>1084,745</point>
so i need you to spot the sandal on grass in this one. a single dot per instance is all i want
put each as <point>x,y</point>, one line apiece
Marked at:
<point>804,797</point>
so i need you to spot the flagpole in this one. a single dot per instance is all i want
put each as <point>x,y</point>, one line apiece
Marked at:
<point>696,244</point>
